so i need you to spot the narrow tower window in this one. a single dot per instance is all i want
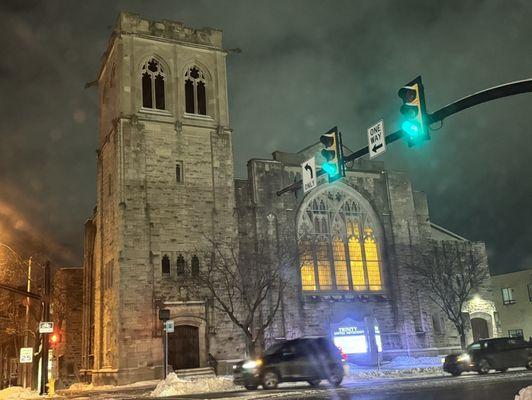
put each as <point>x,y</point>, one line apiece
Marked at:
<point>179,172</point>
<point>194,265</point>
<point>195,92</point>
<point>153,85</point>
<point>165,263</point>
<point>180,264</point>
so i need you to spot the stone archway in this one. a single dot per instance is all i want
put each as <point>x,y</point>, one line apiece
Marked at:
<point>183,347</point>
<point>480,329</point>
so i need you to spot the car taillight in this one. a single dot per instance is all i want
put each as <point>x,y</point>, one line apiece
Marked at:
<point>344,356</point>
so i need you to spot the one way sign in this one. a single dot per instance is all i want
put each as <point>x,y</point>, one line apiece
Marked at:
<point>376,139</point>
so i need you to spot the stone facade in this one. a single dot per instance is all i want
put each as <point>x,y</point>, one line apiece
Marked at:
<point>165,186</point>
<point>408,322</point>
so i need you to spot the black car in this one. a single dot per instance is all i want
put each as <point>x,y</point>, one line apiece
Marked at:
<point>303,359</point>
<point>486,354</point>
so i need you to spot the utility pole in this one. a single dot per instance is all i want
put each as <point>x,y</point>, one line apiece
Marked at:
<point>45,317</point>
<point>27,323</point>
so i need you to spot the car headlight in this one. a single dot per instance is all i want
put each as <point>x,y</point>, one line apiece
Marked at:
<point>464,358</point>
<point>443,360</point>
<point>252,364</point>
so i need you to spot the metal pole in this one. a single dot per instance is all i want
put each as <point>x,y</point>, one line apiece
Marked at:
<point>46,317</point>
<point>27,323</point>
<point>165,351</point>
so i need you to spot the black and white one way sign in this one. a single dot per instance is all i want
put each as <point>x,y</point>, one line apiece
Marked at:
<point>376,139</point>
<point>308,171</point>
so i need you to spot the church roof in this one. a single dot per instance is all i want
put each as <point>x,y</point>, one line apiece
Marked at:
<point>440,233</point>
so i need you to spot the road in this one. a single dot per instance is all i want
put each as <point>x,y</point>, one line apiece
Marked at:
<point>494,386</point>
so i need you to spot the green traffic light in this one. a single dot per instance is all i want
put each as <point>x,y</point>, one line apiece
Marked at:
<point>410,128</point>
<point>330,169</point>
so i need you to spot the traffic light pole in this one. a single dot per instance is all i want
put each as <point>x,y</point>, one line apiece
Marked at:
<point>46,317</point>
<point>494,93</point>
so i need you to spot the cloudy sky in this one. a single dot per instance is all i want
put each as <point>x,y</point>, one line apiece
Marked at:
<point>305,66</point>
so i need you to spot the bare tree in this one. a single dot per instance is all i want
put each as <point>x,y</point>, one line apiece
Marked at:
<point>247,285</point>
<point>451,275</point>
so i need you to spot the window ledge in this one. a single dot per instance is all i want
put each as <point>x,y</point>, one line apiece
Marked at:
<point>199,117</point>
<point>155,111</point>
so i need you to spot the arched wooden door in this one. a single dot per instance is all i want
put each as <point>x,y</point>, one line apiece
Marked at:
<point>480,328</point>
<point>183,347</point>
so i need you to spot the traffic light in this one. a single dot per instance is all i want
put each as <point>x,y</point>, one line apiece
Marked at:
<point>332,152</point>
<point>54,339</point>
<point>413,111</point>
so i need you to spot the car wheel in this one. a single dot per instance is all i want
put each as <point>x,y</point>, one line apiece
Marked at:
<point>456,372</point>
<point>483,366</point>
<point>270,380</point>
<point>529,364</point>
<point>336,377</point>
<point>314,382</point>
<point>250,387</point>
<point>502,369</point>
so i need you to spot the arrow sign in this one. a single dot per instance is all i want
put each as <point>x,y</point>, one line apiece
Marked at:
<point>308,170</point>
<point>376,139</point>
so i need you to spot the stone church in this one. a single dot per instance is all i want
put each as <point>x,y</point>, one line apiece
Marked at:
<point>165,182</point>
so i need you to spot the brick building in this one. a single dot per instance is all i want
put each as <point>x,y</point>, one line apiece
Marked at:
<point>165,184</point>
<point>67,302</point>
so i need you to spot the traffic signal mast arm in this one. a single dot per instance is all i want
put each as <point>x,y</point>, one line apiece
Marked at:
<point>497,92</point>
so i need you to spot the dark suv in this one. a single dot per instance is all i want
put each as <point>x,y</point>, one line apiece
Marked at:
<point>304,359</point>
<point>498,353</point>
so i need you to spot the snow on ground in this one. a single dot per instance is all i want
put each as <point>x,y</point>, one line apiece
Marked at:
<point>524,394</point>
<point>83,387</point>
<point>399,367</point>
<point>17,393</point>
<point>173,385</point>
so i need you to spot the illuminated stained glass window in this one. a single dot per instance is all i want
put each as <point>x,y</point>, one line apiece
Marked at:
<point>357,264</point>
<point>308,279</point>
<point>372,260</point>
<point>340,264</point>
<point>324,265</point>
<point>333,223</point>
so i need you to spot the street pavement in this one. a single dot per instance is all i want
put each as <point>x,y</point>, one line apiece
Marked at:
<point>470,386</point>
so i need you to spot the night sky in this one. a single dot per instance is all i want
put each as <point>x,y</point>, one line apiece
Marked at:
<point>305,66</point>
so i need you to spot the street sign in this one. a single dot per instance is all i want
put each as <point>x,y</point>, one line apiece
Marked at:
<point>376,139</point>
<point>169,328</point>
<point>26,355</point>
<point>308,171</point>
<point>46,327</point>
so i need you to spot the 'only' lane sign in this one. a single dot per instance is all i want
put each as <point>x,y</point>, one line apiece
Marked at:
<point>376,139</point>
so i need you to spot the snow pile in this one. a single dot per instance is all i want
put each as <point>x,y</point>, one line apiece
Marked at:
<point>524,394</point>
<point>17,393</point>
<point>84,387</point>
<point>399,367</point>
<point>173,385</point>
<point>355,374</point>
<point>407,362</point>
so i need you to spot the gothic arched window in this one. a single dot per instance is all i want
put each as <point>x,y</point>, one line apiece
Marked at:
<point>339,250</point>
<point>165,264</point>
<point>340,264</point>
<point>180,264</point>
<point>195,92</point>
<point>194,265</point>
<point>153,78</point>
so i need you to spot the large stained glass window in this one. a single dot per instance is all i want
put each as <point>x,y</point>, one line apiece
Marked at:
<point>339,250</point>
<point>308,278</point>
<point>372,260</point>
<point>340,264</point>
<point>324,265</point>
